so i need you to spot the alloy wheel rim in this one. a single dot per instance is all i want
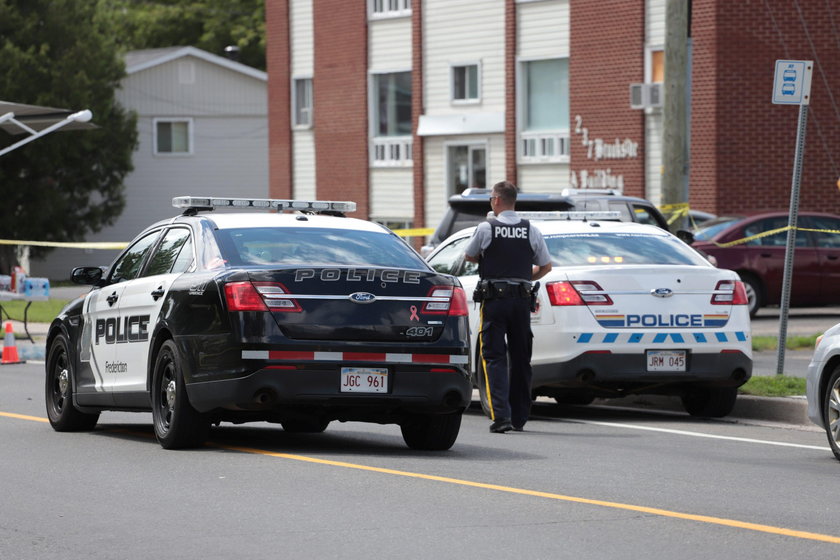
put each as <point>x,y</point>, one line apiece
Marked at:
<point>833,413</point>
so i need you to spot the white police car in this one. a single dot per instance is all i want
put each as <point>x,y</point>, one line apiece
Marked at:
<point>296,318</point>
<point>628,308</point>
<point>822,386</point>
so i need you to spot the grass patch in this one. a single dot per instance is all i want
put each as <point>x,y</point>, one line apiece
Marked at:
<point>39,311</point>
<point>792,343</point>
<point>774,386</point>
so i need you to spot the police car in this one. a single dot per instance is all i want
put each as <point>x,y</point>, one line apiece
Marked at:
<point>628,308</point>
<point>298,318</point>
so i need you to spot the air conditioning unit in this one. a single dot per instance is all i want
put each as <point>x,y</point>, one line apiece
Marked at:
<point>644,96</point>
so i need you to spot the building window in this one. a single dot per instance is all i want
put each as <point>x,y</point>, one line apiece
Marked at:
<point>391,119</point>
<point>173,136</point>
<point>465,83</point>
<point>544,111</point>
<point>302,102</point>
<point>657,66</point>
<point>389,8</point>
<point>466,166</point>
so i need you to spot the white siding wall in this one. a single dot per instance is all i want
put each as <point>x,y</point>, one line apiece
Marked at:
<point>655,22</point>
<point>458,31</point>
<point>543,29</point>
<point>391,194</point>
<point>543,33</point>
<point>301,36</point>
<point>547,177</point>
<point>390,44</point>
<point>303,165</point>
<point>654,37</point>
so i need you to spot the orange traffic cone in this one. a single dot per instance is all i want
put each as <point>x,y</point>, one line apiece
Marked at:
<point>10,353</point>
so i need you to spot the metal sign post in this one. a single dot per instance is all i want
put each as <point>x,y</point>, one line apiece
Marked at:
<point>792,86</point>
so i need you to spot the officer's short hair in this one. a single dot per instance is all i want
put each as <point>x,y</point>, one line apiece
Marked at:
<point>506,191</point>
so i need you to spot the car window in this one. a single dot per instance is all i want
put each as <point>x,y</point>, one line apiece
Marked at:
<point>573,249</point>
<point>449,258</point>
<point>174,254</point>
<point>128,265</point>
<point>645,215</point>
<point>778,239</point>
<point>829,237</point>
<point>708,230</point>
<point>315,246</point>
<point>621,207</point>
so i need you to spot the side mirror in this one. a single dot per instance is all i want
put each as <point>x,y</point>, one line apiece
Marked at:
<point>87,275</point>
<point>686,236</point>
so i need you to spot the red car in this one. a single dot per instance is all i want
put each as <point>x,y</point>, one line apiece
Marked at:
<point>760,262</point>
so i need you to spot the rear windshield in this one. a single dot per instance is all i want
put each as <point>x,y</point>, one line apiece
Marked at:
<point>707,230</point>
<point>620,248</point>
<point>316,246</point>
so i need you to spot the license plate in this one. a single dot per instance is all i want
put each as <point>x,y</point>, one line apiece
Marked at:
<point>666,360</point>
<point>364,380</point>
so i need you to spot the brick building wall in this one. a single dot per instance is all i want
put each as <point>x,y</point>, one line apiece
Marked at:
<point>340,103</point>
<point>278,62</point>
<point>742,145</point>
<point>606,48</point>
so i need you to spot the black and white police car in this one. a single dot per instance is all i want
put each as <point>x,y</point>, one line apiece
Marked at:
<point>298,318</point>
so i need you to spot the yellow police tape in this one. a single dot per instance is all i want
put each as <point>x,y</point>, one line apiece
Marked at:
<point>68,245</point>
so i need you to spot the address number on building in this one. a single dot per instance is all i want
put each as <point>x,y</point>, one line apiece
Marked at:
<point>364,380</point>
<point>666,360</point>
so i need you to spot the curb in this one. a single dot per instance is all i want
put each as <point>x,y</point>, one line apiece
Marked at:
<point>786,410</point>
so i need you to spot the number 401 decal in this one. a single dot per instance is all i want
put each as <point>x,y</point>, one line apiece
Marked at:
<point>419,331</point>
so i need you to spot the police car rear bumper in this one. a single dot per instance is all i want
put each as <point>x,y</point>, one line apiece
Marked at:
<point>724,369</point>
<point>411,389</point>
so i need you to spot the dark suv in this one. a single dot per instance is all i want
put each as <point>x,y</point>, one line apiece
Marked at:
<point>471,206</point>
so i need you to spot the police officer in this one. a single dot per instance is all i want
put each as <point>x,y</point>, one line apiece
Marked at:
<point>506,249</point>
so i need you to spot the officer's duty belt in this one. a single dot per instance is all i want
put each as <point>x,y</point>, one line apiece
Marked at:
<point>498,289</point>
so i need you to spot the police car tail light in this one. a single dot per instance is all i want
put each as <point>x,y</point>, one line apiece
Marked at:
<point>577,292</point>
<point>452,301</point>
<point>274,295</point>
<point>243,296</point>
<point>730,292</point>
<point>259,296</point>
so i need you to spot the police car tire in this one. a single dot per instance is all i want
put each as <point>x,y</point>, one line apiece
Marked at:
<point>710,402</point>
<point>581,398</point>
<point>755,292</point>
<point>480,383</point>
<point>58,391</point>
<point>431,432</point>
<point>177,425</point>
<point>830,410</point>
<point>305,426</point>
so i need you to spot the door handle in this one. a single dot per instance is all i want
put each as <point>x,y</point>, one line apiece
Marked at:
<point>112,299</point>
<point>157,294</point>
<point>831,257</point>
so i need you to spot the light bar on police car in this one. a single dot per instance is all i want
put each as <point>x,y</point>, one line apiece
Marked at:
<point>572,215</point>
<point>279,204</point>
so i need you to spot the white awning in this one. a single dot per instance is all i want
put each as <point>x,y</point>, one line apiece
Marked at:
<point>470,123</point>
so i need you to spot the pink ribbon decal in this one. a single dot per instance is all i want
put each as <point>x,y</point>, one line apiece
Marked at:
<point>414,316</point>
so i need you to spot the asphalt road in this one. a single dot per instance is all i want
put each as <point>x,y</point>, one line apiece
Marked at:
<point>588,482</point>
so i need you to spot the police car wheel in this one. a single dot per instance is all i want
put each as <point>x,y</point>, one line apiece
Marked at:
<point>755,293</point>
<point>831,412</point>
<point>710,402</point>
<point>177,424</point>
<point>432,432</point>
<point>480,382</point>
<point>305,426</point>
<point>63,416</point>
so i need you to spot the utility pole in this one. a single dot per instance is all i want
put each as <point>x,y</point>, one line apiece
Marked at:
<point>674,116</point>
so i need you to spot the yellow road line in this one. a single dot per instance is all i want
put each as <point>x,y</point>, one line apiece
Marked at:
<point>520,491</point>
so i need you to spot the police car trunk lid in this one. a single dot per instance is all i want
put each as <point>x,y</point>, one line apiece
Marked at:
<point>356,303</point>
<point>654,296</point>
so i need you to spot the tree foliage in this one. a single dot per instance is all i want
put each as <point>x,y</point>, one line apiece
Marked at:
<point>211,25</point>
<point>62,53</point>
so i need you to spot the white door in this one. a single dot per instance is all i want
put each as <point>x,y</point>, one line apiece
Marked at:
<point>466,166</point>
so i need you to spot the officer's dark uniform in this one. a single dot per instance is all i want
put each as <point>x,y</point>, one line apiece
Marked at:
<point>505,270</point>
